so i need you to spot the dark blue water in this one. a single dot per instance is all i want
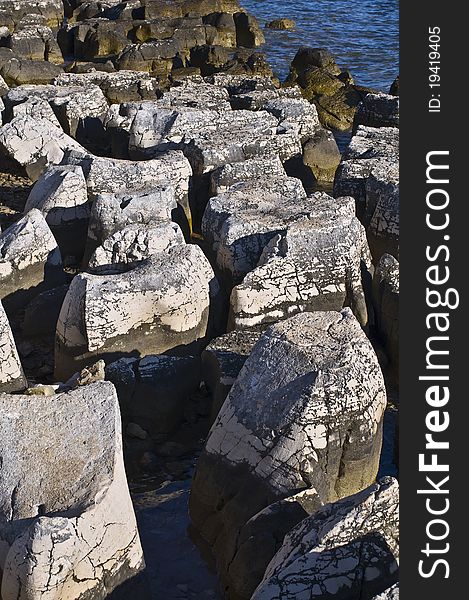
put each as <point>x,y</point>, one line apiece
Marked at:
<point>362,34</point>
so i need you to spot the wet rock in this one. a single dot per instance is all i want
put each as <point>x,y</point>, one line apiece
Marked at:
<point>61,195</point>
<point>51,10</point>
<point>369,149</point>
<point>42,313</point>
<point>320,262</point>
<point>281,24</point>
<point>321,155</point>
<point>12,378</point>
<point>68,512</point>
<point>239,223</point>
<point>222,178</point>
<point>248,32</point>
<point>314,57</point>
<point>346,549</point>
<point>274,435</point>
<point>386,305</point>
<point>36,144</point>
<point>132,244</point>
<point>378,110</point>
<point>123,86</point>
<point>29,260</point>
<point>162,388</point>
<point>222,360</point>
<point>111,316</point>
<point>261,537</point>
<point>394,89</point>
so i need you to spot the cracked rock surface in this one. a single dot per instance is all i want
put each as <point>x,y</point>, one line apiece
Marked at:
<point>68,531</point>
<point>306,411</point>
<point>346,550</point>
<point>12,378</point>
<point>317,263</point>
<point>160,304</point>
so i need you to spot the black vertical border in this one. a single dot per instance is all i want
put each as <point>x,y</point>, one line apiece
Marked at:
<point>422,132</point>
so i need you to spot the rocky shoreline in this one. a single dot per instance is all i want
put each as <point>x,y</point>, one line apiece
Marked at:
<point>195,283</point>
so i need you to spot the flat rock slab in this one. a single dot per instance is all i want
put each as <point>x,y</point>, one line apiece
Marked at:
<point>12,378</point>
<point>252,169</point>
<point>318,263</point>
<point>239,223</point>
<point>306,411</point>
<point>69,511</point>
<point>346,549</point>
<point>162,303</point>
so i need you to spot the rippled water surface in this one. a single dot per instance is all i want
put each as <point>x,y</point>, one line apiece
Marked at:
<point>362,34</point>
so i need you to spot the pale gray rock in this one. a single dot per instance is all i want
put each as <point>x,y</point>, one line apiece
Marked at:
<point>76,108</point>
<point>296,115</point>
<point>222,360</point>
<point>67,525</point>
<point>305,412</point>
<point>36,107</point>
<point>122,86</point>
<point>124,249</point>
<point>209,138</point>
<point>126,177</point>
<point>386,306</point>
<point>346,550</point>
<point>29,259</point>
<point>196,93</point>
<point>382,210</point>
<point>239,223</point>
<point>51,10</point>
<point>320,262</point>
<point>36,144</point>
<point>369,149</point>
<point>62,197</point>
<point>3,87</point>
<point>12,378</point>
<point>391,593</point>
<point>254,168</point>
<point>162,303</point>
<point>378,110</point>
<point>256,96</point>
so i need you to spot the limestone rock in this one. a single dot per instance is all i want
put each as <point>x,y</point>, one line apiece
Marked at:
<point>36,42</point>
<point>282,24</point>
<point>346,549</point>
<point>261,537</point>
<point>51,10</point>
<point>239,223</point>
<point>320,262</point>
<point>162,303</point>
<point>123,86</point>
<point>113,212</point>
<point>222,360</point>
<point>322,155</point>
<point>306,411</point>
<point>34,106</point>
<point>35,144</point>
<point>224,177</point>
<point>29,260</point>
<point>382,206</point>
<point>132,244</point>
<point>296,115</point>
<point>67,525</point>
<point>18,71</point>
<point>378,110</point>
<point>126,177</point>
<point>12,378</point>
<point>391,593</point>
<point>370,148</point>
<point>61,195</point>
<point>386,305</point>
